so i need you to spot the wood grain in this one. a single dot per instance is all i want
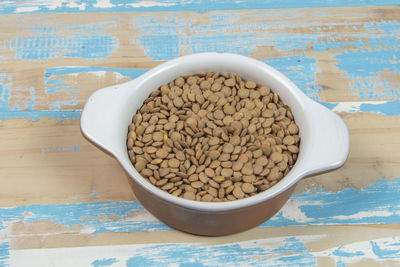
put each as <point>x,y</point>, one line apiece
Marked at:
<point>57,165</point>
<point>323,44</point>
<point>64,202</point>
<point>345,245</point>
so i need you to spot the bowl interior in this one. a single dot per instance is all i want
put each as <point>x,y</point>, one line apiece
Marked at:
<point>138,90</point>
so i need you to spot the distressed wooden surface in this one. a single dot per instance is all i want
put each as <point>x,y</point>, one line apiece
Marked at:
<point>63,202</point>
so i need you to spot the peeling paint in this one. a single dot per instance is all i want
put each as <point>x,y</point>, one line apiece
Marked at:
<point>49,42</point>
<point>104,262</point>
<point>385,249</point>
<point>77,6</point>
<point>57,85</point>
<point>364,66</point>
<point>348,206</point>
<point>368,64</point>
<point>352,206</point>
<point>93,193</point>
<point>56,81</point>
<point>301,70</point>
<point>7,91</point>
<point>52,73</point>
<point>390,108</point>
<point>60,149</point>
<point>5,83</point>
<point>263,252</point>
<point>99,216</point>
<point>366,55</point>
<point>37,114</point>
<point>4,253</point>
<point>358,251</point>
<point>277,251</point>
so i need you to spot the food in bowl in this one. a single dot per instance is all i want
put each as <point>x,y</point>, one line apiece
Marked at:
<point>213,137</point>
<point>109,111</point>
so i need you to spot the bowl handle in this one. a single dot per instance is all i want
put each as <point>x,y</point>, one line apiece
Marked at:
<point>98,119</point>
<point>329,138</point>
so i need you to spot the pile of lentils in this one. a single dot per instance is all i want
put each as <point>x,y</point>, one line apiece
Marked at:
<point>213,137</point>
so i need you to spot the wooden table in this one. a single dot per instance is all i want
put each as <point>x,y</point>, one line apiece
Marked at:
<point>65,203</point>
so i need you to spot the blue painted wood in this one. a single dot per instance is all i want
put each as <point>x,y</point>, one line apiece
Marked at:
<point>80,6</point>
<point>56,81</point>
<point>390,108</point>
<point>375,204</point>
<point>104,262</point>
<point>88,41</point>
<point>166,38</point>
<point>4,253</point>
<point>285,251</point>
<point>291,251</point>
<point>264,251</point>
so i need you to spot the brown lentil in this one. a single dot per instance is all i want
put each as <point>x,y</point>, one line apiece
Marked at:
<point>213,137</point>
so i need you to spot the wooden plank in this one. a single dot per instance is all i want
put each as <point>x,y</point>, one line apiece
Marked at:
<point>377,203</point>
<point>68,169</point>
<point>333,55</point>
<point>30,224</point>
<point>64,202</point>
<point>69,225</point>
<point>320,245</point>
<point>55,164</point>
<point>29,7</point>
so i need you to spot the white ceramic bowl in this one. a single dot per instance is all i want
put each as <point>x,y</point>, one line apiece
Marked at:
<point>324,142</point>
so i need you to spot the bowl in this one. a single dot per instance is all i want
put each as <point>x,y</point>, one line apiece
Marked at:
<point>324,143</point>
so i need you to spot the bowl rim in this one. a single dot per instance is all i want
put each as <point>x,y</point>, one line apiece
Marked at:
<point>284,184</point>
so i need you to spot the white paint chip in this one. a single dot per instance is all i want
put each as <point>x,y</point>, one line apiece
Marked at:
<point>364,214</point>
<point>25,9</point>
<point>118,76</point>
<point>149,4</point>
<point>350,107</point>
<point>74,4</point>
<point>99,73</point>
<point>140,216</point>
<point>88,230</point>
<point>291,210</point>
<point>103,4</point>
